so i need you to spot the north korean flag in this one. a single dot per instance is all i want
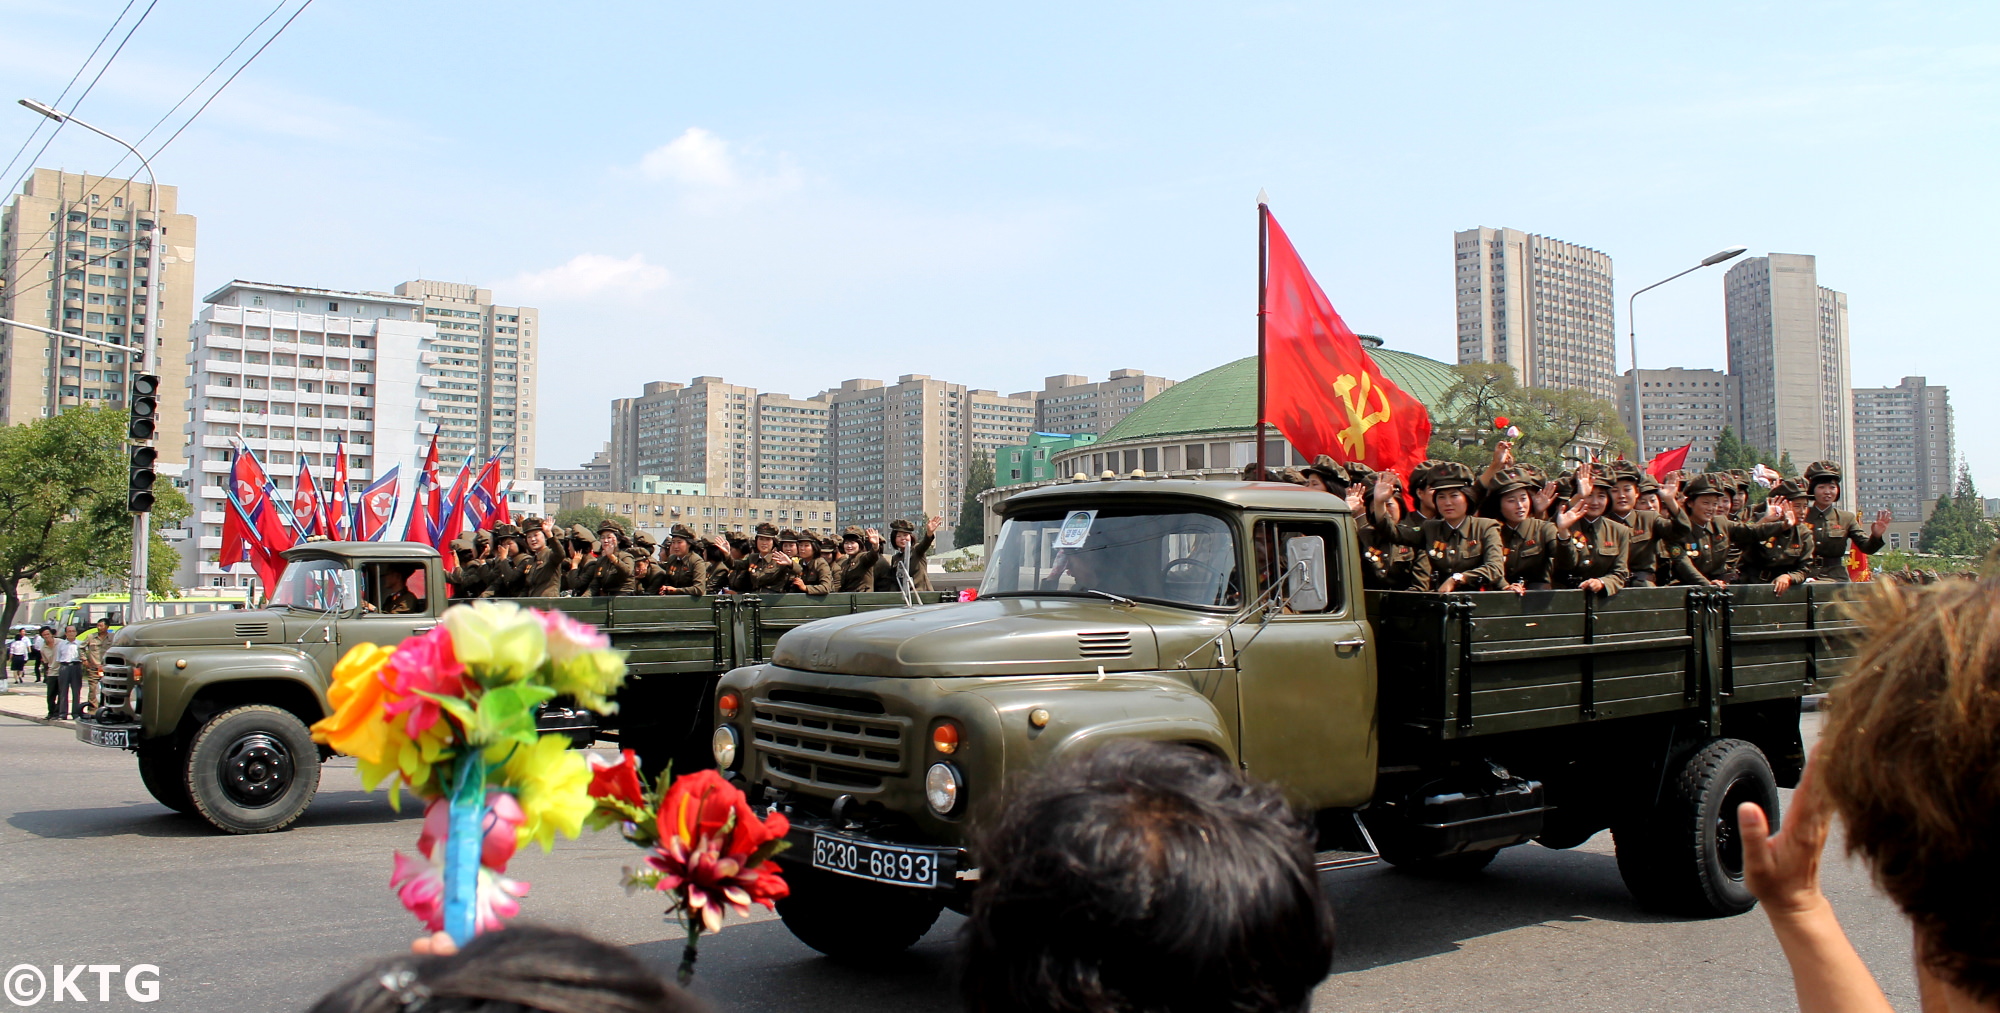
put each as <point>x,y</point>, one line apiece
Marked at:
<point>377,506</point>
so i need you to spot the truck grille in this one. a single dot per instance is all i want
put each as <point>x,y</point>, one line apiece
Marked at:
<point>1108,644</point>
<point>829,746</point>
<point>115,689</point>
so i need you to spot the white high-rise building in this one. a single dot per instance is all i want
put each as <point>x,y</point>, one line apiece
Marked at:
<point>1683,407</point>
<point>1788,348</point>
<point>1904,449</point>
<point>1540,305</point>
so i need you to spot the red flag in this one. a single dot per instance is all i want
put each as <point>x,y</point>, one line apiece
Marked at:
<point>1320,387</point>
<point>454,509</point>
<point>306,507</point>
<point>260,533</point>
<point>340,513</point>
<point>502,514</point>
<point>426,519</point>
<point>377,506</point>
<point>1668,462</point>
<point>1857,564</point>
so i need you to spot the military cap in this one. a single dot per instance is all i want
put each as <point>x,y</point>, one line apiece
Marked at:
<point>1329,471</point>
<point>463,542</point>
<point>612,526</point>
<point>318,538</point>
<point>579,533</point>
<point>1420,476</point>
<point>767,530</point>
<point>530,522</point>
<point>683,532</point>
<point>1789,489</point>
<point>1291,476</point>
<point>1822,471</point>
<point>1739,479</point>
<point>505,531</point>
<point>1513,479</point>
<point>902,524</point>
<point>643,540</point>
<point>1448,475</point>
<point>854,534</point>
<point>1706,484</point>
<point>787,535</point>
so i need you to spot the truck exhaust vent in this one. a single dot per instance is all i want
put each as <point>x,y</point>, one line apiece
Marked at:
<point>1111,644</point>
<point>248,630</point>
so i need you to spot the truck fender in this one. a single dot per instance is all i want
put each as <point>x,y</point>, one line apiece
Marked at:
<point>271,675</point>
<point>1084,715</point>
<point>1191,731</point>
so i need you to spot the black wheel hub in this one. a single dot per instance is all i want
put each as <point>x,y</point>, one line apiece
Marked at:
<point>1728,835</point>
<point>256,770</point>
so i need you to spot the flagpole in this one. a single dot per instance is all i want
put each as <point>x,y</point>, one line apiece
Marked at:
<point>1263,280</point>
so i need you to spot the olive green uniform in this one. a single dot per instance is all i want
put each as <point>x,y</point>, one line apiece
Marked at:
<point>1787,554</point>
<point>1530,548</point>
<point>914,560</point>
<point>817,575</point>
<point>1833,530</point>
<point>684,574</point>
<point>506,578</point>
<point>1702,557</point>
<point>609,575</point>
<point>1650,533</point>
<point>1389,566</point>
<point>857,572</point>
<point>1598,549</point>
<point>542,573</point>
<point>1472,550</point>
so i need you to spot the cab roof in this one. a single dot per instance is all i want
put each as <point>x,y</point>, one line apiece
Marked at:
<point>1234,495</point>
<point>351,551</point>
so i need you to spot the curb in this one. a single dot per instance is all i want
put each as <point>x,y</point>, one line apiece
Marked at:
<point>37,699</point>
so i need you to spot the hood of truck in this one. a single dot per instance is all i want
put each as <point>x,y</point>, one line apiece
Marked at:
<point>234,626</point>
<point>992,636</point>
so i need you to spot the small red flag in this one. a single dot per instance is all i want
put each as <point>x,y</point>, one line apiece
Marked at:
<point>1320,387</point>
<point>1667,463</point>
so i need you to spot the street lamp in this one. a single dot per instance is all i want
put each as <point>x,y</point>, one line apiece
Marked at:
<point>141,522</point>
<point>1638,402</point>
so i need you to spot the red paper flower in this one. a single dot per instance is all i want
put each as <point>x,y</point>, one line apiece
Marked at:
<point>618,780</point>
<point>1501,422</point>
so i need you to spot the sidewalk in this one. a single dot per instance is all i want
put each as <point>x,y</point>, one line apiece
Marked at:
<point>30,701</point>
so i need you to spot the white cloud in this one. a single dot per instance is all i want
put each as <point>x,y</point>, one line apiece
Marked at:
<point>696,157</point>
<point>591,274</point>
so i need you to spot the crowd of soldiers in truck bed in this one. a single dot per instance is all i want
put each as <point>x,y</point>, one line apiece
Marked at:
<point>1597,527</point>
<point>539,559</point>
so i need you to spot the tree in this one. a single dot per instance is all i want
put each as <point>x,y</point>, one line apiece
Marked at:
<point>63,516</point>
<point>971,527</point>
<point>589,515</point>
<point>1958,525</point>
<point>1552,422</point>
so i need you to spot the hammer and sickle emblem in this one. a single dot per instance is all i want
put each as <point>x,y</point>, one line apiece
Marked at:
<point>1354,439</point>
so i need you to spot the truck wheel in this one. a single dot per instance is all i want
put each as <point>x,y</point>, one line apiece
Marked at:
<point>1686,856</point>
<point>1463,865</point>
<point>164,770</point>
<point>252,770</point>
<point>853,919</point>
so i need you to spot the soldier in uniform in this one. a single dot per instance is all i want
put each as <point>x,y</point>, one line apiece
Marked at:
<point>1703,558</point>
<point>1465,552</point>
<point>1326,475</point>
<point>576,566</point>
<point>815,575</point>
<point>1594,553</point>
<point>1529,542</point>
<point>1650,531</point>
<point>856,571</point>
<point>1385,564</point>
<point>767,568</point>
<point>468,578</point>
<point>1789,555</point>
<point>909,554</point>
<point>610,573</point>
<point>684,571</point>
<point>505,577</point>
<point>541,571</point>
<point>1833,528</point>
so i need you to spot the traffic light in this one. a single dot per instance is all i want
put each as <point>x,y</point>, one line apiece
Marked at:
<point>139,491</point>
<point>145,406</point>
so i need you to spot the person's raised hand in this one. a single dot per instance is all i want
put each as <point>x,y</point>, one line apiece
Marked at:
<point>937,521</point>
<point>1584,483</point>
<point>1385,484</point>
<point>1883,518</point>
<point>1782,870</point>
<point>1774,509</point>
<point>1539,499</point>
<point>1356,498</point>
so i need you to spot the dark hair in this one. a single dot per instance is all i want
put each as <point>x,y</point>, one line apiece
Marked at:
<point>1908,758</point>
<point>1145,876</point>
<point>516,970</point>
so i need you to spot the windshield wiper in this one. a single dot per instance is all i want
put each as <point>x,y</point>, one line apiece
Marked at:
<point>1072,593</point>
<point>1119,598</point>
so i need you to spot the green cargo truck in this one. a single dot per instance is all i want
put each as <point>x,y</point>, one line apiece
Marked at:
<point>1427,730</point>
<point>216,706</point>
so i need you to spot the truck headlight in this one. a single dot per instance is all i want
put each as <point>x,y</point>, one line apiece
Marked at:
<point>941,788</point>
<point>723,743</point>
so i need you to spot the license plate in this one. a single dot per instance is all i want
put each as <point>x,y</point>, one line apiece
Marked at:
<point>879,862</point>
<point>97,735</point>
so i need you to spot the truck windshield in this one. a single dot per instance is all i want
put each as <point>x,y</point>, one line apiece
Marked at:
<point>1174,558</point>
<point>310,584</point>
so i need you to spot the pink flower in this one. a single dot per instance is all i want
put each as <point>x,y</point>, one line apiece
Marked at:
<point>503,820</point>
<point>568,638</point>
<point>420,886</point>
<point>423,664</point>
<point>708,880</point>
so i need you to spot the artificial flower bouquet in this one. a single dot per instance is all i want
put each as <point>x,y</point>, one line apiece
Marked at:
<point>450,714</point>
<point>705,847</point>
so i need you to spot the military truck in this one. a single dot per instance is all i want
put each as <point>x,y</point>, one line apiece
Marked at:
<point>1426,730</point>
<point>217,705</point>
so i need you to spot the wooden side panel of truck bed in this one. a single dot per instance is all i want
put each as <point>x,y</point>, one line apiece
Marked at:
<point>1465,665</point>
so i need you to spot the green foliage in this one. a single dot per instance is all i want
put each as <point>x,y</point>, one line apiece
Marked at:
<point>971,527</point>
<point>1958,525</point>
<point>1896,561</point>
<point>1551,421</point>
<point>590,516</point>
<point>62,507</point>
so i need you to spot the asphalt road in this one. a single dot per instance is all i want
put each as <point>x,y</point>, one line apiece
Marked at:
<point>92,871</point>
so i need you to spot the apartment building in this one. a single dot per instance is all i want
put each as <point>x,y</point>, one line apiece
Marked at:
<point>76,255</point>
<point>657,513</point>
<point>1788,349</point>
<point>1072,404</point>
<point>1681,407</point>
<point>1904,449</point>
<point>791,459</point>
<point>699,431</point>
<point>902,449</point>
<point>1538,304</point>
<point>485,373</point>
<point>593,476</point>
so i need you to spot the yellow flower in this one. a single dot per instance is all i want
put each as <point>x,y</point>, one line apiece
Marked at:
<point>357,725</point>
<point>591,677</point>
<point>498,640</point>
<point>552,783</point>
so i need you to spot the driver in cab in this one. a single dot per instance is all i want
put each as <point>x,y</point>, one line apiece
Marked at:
<point>400,600</point>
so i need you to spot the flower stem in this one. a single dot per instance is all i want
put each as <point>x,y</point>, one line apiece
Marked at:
<point>688,954</point>
<point>462,846</point>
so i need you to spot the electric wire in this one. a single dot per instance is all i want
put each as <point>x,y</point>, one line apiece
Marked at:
<point>80,68</point>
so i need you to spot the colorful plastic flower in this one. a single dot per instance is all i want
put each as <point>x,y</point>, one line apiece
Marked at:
<point>708,880</point>
<point>498,641</point>
<point>419,885</point>
<point>423,664</point>
<point>617,779</point>
<point>551,782</point>
<point>358,725</point>
<point>568,638</point>
<point>503,825</point>
<point>590,677</point>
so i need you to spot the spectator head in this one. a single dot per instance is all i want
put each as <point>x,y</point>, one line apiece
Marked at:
<point>1910,759</point>
<point>516,970</point>
<point>1144,876</point>
<point>103,622</point>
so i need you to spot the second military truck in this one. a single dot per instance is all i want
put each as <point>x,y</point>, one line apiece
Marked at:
<point>1431,730</point>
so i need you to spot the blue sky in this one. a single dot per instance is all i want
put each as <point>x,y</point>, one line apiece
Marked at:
<point>792,195</point>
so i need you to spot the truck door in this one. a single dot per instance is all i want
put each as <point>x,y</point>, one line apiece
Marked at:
<point>1306,681</point>
<point>396,604</point>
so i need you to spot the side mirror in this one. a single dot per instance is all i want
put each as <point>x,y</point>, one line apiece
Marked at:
<point>350,597</point>
<point>1305,570</point>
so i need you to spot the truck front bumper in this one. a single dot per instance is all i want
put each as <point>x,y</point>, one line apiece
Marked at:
<point>122,735</point>
<point>846,849</point>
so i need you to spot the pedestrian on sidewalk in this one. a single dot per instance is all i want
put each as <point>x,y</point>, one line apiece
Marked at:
<point>93,659</point>
<point>18,650</point>
<point>68,676</point>
<point>45,661</point>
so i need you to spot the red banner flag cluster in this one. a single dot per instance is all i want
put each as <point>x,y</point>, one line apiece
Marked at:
<point>1320,388</point>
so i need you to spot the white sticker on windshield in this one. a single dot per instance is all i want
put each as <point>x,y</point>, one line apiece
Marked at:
<point>1076,528</point>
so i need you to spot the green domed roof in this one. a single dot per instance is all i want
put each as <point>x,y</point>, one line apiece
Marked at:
<point>1224,399</point>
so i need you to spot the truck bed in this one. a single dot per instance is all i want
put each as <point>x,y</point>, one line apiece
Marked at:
<point>711,634</point>
<point>1459,666</point>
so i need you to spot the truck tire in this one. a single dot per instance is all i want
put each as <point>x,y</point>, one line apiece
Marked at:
<point>164,770</point>
<point>252,770</point>
<point>855,920</point>
<point>1686,856</point>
